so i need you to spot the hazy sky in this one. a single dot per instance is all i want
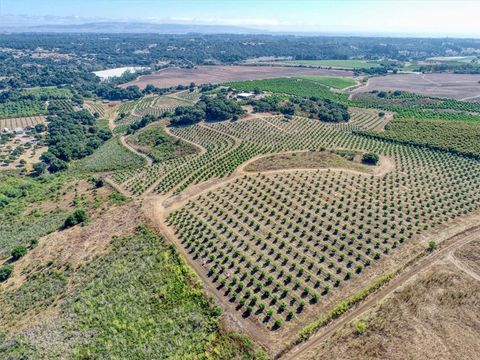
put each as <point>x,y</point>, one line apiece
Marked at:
<point>441,17</point>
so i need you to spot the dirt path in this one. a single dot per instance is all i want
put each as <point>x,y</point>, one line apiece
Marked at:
<point>470,97</point>
<point>385,166</point>
<point>197,146</point>
<point>111,114</point>
<point>275,126</point>
<point>314,345</point>
<point>175,202</point>
<point>132,149</point>
<point>235,139</point>
<point>152,207</point>
<point>455,261</point>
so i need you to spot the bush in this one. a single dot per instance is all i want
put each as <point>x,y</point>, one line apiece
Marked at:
<point>39,168</point>
<point>361,326</point>
<point>370,158</point>
<point>77,217</point>
<point>5,272</point>
<point>432,245</point>
<point>18,252</point>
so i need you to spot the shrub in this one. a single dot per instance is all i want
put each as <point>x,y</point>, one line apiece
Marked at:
<point>18,252</point>
<point>77,217</point>
<point>432,245</point>
<point>277,324</point>
<point>5,272</point>
<point>361,326</point>
<point>370,158</point>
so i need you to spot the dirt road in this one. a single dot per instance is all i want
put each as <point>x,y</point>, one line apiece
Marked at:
<point>311,347</point>
<point>132,149</point>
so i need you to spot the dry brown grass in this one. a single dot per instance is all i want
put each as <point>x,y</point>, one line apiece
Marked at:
<point>456,86</point>
<point>304,160</point>
<point>69,248</point>
<point>434,316</point>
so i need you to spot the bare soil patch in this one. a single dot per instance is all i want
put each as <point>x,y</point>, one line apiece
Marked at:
<point>455,86</point>
<point>434,316</point>
<point>217,74</point>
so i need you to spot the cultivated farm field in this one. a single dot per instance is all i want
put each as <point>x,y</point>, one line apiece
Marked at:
<point>22,122</point>
<point>456,86</point>
<point>217,74</point>
<point>336,64</point>
<point>279,248</point>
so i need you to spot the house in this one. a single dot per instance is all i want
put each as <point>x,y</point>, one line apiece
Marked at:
<point>245,95</point>
<point>6,130</point>
<point>18,131</point>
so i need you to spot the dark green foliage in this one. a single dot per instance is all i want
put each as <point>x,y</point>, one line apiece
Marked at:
<point>18,252</point>
<point>77,217</point>
<point>370,158</point>
<point>72,136</point>
<point>5,272</point>
<point>219,108</point>
<point>215,108</point>
<point>39,168</point>
<point>452,136</point>
<point>313,107</point>
<point>187,115</point>
<point>144,121</point>
<point>110,92</point>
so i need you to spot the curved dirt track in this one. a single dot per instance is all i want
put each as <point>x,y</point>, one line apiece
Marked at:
<point>309,348</point>
<point>132,149</point>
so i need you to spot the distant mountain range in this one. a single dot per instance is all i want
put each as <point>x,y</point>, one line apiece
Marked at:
<point>133,27</point>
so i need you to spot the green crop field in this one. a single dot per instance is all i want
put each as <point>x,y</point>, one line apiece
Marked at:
<point>336,82</point>
<point>111,156</point>
<point>458,137</point>
<point>291,86</point>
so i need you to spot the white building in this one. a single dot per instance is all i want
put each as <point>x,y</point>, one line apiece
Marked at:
<point>245,95</point>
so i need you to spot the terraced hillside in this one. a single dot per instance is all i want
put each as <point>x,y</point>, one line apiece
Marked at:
<point>278,248</point>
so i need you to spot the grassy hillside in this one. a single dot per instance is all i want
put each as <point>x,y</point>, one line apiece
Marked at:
<point>111,156</point>
<point>157,143</point>
<point>139,301</point>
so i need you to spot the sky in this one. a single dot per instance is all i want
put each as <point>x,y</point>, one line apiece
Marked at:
<point>421,17</point>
